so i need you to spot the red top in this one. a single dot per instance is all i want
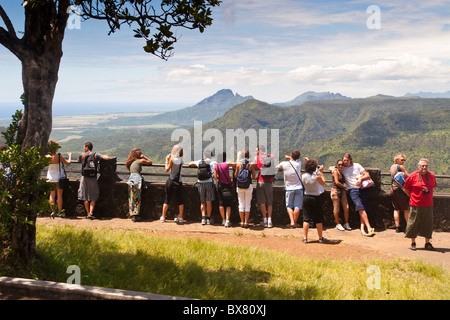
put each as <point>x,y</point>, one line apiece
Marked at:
<point>259,163</point>
<point>415,183</point>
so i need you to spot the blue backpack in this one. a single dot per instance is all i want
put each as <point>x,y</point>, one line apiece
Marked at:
<point>244,178</point>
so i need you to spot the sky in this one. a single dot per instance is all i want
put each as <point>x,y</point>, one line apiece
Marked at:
<point>273,50</point>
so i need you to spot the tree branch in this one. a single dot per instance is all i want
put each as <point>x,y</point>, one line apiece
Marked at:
<point>8,22</point>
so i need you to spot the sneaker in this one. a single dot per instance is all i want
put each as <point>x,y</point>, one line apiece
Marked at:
<point>203,221</point>
<point>269,225</point>
<point>340,227</point>
<point>162,219</point>
<point>91,217</point>
<point>413,246</point>
<point>323,240</point>
<point>208,221</point>
<point>228,224</point>
<point>61,215</point>
<point>347,227</point>
<point>179,220</point>
<point>52,215</point>
<point>429,246</point>
<point>135,218</point>
<point>305,241</point>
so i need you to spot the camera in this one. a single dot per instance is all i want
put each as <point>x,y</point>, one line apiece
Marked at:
<point>425,191</point>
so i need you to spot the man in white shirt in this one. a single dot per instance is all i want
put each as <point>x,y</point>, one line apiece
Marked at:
<point>293,185</point>
<point>354,174</point>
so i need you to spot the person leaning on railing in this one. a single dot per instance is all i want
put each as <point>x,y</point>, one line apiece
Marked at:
<point>134,163</point>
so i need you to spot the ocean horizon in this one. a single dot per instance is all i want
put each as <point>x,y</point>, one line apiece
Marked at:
<point>7,109</point>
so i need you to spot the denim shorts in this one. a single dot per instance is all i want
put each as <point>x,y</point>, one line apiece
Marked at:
<point>360,198</point>
<point>294,199</point>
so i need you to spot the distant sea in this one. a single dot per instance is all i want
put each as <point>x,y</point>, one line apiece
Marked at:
<point>7,109</point>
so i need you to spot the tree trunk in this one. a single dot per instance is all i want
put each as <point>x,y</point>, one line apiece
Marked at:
<point>40,51</point>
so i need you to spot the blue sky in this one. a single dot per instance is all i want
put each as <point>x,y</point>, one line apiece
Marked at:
<point>273,50</point>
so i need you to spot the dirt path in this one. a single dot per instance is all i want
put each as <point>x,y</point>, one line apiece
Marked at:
<point>345,245</point>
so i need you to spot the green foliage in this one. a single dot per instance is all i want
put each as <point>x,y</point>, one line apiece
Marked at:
<point>153,22</point>
<point>23,193</point>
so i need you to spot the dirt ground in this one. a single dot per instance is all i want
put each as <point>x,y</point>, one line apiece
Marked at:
<point>385,244</point>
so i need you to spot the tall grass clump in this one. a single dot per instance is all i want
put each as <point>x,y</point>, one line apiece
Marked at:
<point>138,260</point>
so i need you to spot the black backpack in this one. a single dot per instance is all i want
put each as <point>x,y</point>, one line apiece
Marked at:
<point>204,171</point>
<point>89,166</point>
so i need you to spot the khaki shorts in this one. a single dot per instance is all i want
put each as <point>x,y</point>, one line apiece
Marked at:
<point>420,222</point>
<point>264,192</point>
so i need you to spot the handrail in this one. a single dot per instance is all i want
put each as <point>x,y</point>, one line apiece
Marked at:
<point>166,174</point>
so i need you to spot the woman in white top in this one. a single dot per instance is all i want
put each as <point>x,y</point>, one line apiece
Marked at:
<point>174,164</point>
<point>54,173</point>
<point>313,182</point>
<point>354,174</point>
<point>244,195</point>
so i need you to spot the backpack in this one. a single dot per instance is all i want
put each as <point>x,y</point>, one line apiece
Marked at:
<point>268,167</point>
<point>244,178</point>
<point>89,166</point>
<point>400,178</point>
<point>204,171</point>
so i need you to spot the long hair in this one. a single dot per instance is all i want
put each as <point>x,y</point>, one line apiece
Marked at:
<point>177,151</point>
<point>135,154</point>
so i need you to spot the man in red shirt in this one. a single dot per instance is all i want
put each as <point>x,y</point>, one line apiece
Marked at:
<point>419,186</point>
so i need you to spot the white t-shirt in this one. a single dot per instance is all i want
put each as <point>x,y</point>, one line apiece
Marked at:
<point>351,173</point>
<point>291,179</point>
<point>312,186</point>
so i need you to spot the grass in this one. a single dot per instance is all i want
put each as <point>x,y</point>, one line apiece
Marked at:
<point>138,260</point>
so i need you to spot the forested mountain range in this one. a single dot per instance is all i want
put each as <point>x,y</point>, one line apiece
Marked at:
<point>373,130</point>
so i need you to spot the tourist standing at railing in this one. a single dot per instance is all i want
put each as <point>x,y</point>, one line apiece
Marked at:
<point>354,174</point>
<point>206,188</point>
<point>338,195</point>
<point>244,188</point>
<point>225,191</point>
<point>264,185</point>
<point>419,186</point>
<point>399,198</point>
<point>174,184</point>
<point>313,182</point>
<point>136,183</point>
<point>293,185</point>
<point>89,192</point>
<point>54,174</point>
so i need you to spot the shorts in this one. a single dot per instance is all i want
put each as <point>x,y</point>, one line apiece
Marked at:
<point>294,199</point>
<point>420,222</point>
<point>337,201</point>
<point>88,190</point>
<point>264,192</point>
<point>224,202</point>
<point>207,191</point>
<point>399,199</point>
<point>174,190</point>
<point>312,209</point>
<point>360,198</point>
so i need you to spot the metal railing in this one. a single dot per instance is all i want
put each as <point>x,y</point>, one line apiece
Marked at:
<point>156,172</point>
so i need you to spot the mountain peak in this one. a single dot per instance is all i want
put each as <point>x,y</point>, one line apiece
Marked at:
<point>312,96</point>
